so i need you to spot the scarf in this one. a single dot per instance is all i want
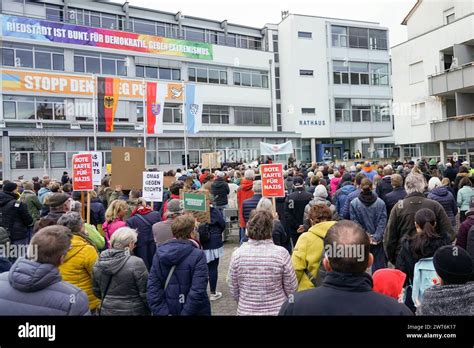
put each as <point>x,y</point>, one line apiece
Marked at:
<point>140,210</point>
<point>367,198</point>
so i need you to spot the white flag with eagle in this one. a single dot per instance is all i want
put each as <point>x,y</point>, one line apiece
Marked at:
<point>193,109</point>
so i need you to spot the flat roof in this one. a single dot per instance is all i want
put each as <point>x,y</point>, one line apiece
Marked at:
<point>330,18</point>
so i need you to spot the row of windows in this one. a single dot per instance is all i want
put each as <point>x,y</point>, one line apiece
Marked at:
<point>42,108</point>
<point>347,110</point>
<point>154,72</point>
<point>148,27</point>
<point>207,74</point>
<point>353,37</point>
<point>23,56</point>
<point>360,73</point>
<point>100,64</point>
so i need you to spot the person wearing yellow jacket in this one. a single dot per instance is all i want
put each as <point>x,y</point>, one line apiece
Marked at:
<point>80,259</point>
<point>309,249</point>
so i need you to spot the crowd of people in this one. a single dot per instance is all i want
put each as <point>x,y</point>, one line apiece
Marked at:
<point>366,239</point>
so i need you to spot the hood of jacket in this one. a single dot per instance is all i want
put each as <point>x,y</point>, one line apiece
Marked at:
<point>30,276</point>
<point>28,193</point>
<point>111,261</point>
<point>174,251</point>
<point>440,191</point>
<point>346,189</point>
<point>321,229</point>
<point>219,183</point>
<point>319,201</point>
<point>6,197</point>
<point>77,244</point>
<point>43,190</point>
<point>246,185</point>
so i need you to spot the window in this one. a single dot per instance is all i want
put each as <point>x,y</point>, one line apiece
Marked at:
<point>308,111</point>
<point>215,114</point>
<point>207,74</point>
<point>378,39</point>
<point>304,35</point>
<point>251,78</point>
<point>340,72</point>
<point>342,109</point>
<point>450,18</point>
<point>24,58</point>
<point>306,72</point>
<point>361,110</point>
<point>379,74</point>
<point>194,34</point>
<point>249,116</point>
<point>54,13</point>
<point>143,27</point>
<point>94,63</point>
<point>358,38</point>
<point>33,57</point>
<point>30,108</point>
<point>359,73</point>
<point>416,72</point>
<point>158,73</point>
<point>338,36</point>
<point>172,113</point>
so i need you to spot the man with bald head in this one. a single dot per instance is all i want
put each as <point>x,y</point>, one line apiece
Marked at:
<point>347,288</point>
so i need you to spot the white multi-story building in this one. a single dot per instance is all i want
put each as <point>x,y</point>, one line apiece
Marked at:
<point>323,83</point>
<point>333,85</point>
<point>433,81</point>
<point>45,124</point>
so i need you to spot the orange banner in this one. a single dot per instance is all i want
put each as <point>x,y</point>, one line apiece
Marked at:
<point>25,81</point>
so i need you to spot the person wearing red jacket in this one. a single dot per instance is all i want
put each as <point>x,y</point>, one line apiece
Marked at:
<point>244,192</point>
<point>203,176</point>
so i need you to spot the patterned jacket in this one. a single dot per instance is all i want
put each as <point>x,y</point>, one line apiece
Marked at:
<point>261,277</point>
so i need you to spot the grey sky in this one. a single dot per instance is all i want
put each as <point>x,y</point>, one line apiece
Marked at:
<point>256,13</point>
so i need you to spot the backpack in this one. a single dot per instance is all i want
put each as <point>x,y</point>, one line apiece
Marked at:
<point>424,277</point>
<point>204,232</point>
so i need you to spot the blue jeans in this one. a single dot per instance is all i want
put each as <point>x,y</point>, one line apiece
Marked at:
<point>242,236</point>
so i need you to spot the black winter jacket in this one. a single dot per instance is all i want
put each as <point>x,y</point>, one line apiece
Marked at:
<point>343,294</point>
<point>220,190</point>
<point>14,216</point>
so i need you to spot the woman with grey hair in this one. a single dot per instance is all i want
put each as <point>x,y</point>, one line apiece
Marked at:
<point>119,278</point>
<point>279,235</point>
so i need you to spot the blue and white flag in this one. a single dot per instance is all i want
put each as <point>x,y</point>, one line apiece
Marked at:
<point>193,109</point>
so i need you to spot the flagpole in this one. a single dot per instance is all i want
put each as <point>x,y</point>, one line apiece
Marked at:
<point>185,128</point>
<point>94,107</point>
<point>145,124</point>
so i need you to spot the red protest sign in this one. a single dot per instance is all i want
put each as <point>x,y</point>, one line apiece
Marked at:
<point>82,177</point>
<point>273,184</point>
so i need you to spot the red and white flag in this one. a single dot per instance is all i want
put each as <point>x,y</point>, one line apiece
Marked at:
<point>155,105</point>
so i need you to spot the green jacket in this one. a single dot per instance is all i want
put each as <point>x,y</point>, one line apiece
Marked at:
<point>464,197</point>
<point>32,203</point>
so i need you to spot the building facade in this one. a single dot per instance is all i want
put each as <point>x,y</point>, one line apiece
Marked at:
<point>334,86</point>
<point>433,82</point>
<point>255,83</point>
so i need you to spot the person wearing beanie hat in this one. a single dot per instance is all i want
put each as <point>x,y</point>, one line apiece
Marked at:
<point>15,216</point>
<point>389,282</point>
<point>346,187</point>
<point>454,295</point>
<point>319,198</point>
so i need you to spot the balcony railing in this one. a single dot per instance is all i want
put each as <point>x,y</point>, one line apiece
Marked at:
<point>453,128</point>
<point>451,80</point>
